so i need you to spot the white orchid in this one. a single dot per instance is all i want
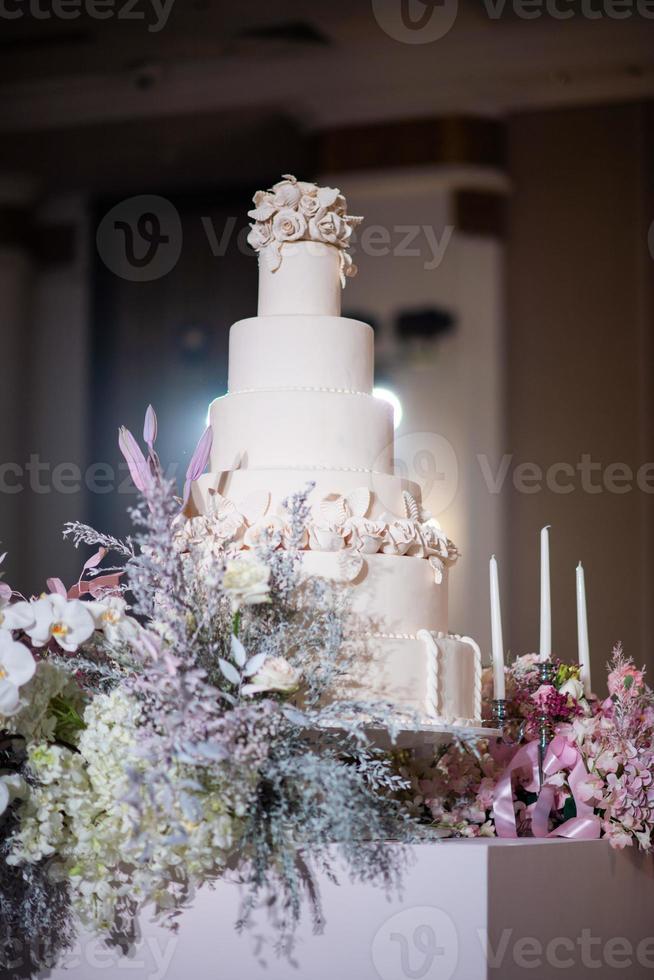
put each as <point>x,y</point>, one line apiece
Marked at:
<point>17,666</point>
<point>247,581</point>
<point>14,615</point>
<point>110,616</point>
<point>11,787</point>
<point>68,621</point>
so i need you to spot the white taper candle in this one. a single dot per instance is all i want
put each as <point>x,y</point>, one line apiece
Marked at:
<point>545,599</point>
<point>497,642</point>
<point>582,630</point>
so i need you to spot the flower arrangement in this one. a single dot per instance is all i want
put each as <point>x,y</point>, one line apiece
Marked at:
<point>168,716</point>
<point>597,773</point>
<point>295,210</point>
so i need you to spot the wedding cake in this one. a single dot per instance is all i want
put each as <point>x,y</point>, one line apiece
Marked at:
<point>300,409</point>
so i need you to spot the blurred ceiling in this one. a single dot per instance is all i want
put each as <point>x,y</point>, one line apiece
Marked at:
<point>323,63</point>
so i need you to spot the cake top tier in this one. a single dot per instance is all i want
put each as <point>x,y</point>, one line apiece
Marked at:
<point>298,211</point>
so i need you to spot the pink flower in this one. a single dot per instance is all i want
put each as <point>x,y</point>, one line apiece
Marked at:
<point>624,678</point>
<point>591,787</point>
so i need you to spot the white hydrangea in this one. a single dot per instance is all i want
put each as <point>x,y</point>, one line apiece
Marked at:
<point>79,812</point>
<point>35,720</point>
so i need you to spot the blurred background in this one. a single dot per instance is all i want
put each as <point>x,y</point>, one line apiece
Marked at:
<point>502,152</point>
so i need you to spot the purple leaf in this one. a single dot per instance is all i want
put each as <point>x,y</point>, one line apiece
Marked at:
<point>138,467</point>
<point>198,462</point>
<point>150,427</point>
<point>56,587</point>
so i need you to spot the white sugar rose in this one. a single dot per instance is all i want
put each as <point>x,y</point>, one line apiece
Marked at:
<point>247,581</point>
<point>260,235</point>
<point>276,675</point>
<point>289,225</point>
<point>264,206</point>
<point>323,537</point>
<point>286,193</point>
<point>269,530</point>
<point>327,226</point>
<point>365,536</point>
<point>309,205</point>
<point>402,538</point>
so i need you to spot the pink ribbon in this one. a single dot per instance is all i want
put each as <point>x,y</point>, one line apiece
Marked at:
<point>561,754</point>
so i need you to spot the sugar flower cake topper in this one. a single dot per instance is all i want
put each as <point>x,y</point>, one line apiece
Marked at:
<point>298,211</point>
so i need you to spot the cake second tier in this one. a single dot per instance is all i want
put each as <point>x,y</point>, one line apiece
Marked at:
<point>299,429</point>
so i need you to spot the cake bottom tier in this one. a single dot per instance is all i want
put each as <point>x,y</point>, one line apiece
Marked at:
<point>435,676</point>
<point>397,641</point>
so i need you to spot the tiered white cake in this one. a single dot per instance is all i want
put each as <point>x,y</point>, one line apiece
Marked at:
<point>300,408</point>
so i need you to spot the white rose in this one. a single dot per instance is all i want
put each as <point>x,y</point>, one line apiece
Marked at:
<point>326,538</point>
<point>402,537</point>
<point>276,675</point>
<point>365,536</point>
<point>268,530</point>
<point>264,206</point>
<point>288,225</point>
<point>286,193</point>
<point>574,688</point>
<point>260,235</point>
<point>247,581</point>
<point>309,205</point>
<point>327,226</point>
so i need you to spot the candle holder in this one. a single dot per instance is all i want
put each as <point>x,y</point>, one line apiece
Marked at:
<point>545,677</point>
<point>499,713</point>
<point>512,730</point>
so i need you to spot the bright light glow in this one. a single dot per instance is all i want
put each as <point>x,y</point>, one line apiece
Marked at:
<point>389,396</point>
